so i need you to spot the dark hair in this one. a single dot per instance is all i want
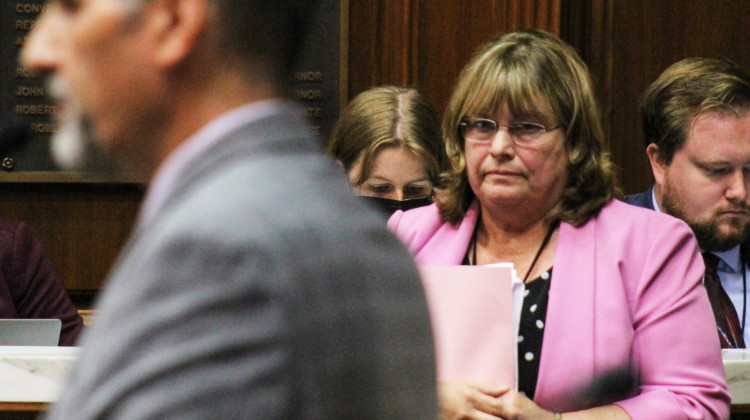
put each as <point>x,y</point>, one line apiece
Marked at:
<point>266,33</point>
<point>520,69</point>
<point>686,89</point>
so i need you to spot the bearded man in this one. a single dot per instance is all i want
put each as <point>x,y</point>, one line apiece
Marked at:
<point>696,125</point>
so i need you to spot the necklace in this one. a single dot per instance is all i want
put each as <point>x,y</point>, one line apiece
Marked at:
<point>545,241</point>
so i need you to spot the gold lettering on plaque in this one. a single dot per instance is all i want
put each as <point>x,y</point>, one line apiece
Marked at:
<point>30,8</point>
<point>23,73</point>
<point>308,76</point>
<point>43,128</point>
<point>29,91</point>
<point>35,109</point>
<point>312,112</point>
<point>308,94</point>
<point>25,24</point>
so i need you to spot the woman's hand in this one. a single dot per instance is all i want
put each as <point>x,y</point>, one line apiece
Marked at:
<point>484,401</point>
<point>468,400</point>
<point>516,406</point>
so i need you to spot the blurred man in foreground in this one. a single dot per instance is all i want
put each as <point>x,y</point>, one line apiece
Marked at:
<point>254,285</point>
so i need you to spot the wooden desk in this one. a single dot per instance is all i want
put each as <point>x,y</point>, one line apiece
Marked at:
<point>21,411</point>
<point>32,378</point>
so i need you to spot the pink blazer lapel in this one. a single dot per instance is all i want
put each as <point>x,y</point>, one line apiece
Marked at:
<point>570,316</point>
<point>447,246</point>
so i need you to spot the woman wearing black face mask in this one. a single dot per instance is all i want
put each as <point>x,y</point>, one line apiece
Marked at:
<point>388,140</point>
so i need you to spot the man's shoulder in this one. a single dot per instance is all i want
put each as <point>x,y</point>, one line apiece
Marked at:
<point>8,226</point>
<point>642,199</point>
<point>15,235</point>
<point>253,153</point>
<point>270,198</point>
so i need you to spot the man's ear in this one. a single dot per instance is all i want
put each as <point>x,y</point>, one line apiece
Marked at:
<point>658,166</point>
<point>178,25</point>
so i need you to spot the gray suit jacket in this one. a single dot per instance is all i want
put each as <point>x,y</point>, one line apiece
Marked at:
<point>262,289</point>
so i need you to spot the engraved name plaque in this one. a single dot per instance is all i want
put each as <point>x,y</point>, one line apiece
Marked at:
<point>27,116</point>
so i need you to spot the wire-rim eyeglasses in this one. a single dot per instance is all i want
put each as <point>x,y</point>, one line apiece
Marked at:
<point>483,130</point>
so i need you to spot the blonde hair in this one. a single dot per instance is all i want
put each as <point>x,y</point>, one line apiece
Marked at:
<point>389,116</point>
<point>532,72</point>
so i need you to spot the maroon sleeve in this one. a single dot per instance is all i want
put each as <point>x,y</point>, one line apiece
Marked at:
<point>37,291</point>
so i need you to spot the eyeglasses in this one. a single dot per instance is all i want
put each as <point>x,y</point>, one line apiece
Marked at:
<point>482,130</point>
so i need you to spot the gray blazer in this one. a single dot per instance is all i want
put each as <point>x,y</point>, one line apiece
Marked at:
<point>262,289</point>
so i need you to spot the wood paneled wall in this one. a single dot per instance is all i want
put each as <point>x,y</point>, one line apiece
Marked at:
<point>645,38</point>
<point>626,43</point>
<point>81,226</point>
<point>425,43</point>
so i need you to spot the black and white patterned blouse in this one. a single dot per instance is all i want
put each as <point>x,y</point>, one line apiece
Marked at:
<point>531,332</point>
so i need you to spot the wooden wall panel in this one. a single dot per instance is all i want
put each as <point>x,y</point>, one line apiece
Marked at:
<point>381,42</point>
<point>81,226</point>
<point>628,43</point>
<point>449,32</point>
<point>432,40</point>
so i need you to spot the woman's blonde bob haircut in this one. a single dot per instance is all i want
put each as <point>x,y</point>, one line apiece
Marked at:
<point>533,73</point>
<point>389,116</point>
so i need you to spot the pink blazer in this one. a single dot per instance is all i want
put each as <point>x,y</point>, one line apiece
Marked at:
<point>626,290</point>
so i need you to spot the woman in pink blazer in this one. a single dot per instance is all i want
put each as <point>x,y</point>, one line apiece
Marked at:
<point>610,287</point>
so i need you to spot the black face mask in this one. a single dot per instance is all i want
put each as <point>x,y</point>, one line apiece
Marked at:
<point>389,206</point>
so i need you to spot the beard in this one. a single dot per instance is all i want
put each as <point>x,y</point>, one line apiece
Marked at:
<point>708,232</point>
<point>73,145</point>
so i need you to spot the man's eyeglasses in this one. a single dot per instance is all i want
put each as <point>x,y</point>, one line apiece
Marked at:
<point>483,130</point>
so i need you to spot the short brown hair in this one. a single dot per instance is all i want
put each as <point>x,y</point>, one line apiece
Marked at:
<point>266,35</point>
<point>686,89</point>
<point>519,69</point>
<point>389,116</point>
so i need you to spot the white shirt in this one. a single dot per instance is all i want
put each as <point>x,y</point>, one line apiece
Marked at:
<point>731,277</point>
